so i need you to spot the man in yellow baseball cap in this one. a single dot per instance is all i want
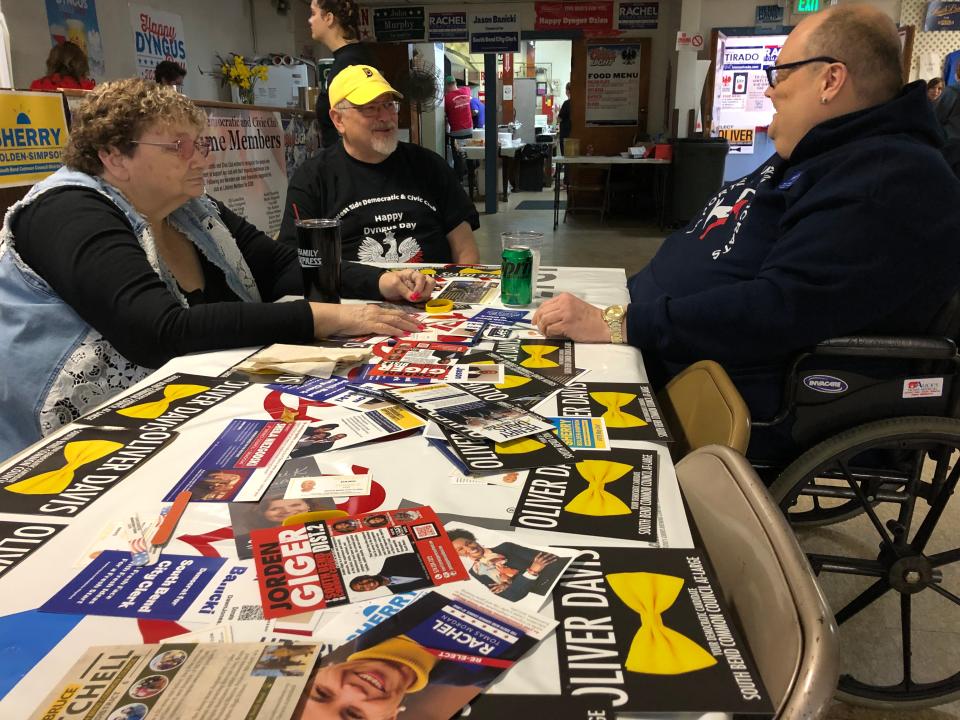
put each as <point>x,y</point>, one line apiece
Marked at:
<point>397,202</point>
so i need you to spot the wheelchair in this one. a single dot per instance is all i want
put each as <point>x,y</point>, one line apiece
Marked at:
<point>878,419</point>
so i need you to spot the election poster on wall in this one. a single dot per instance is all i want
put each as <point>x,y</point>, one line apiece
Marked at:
<point>157,36</point>
<point>33,136</point>
<point>591,17</point>
<point>494,29</point>
<point>248,170</point>
<point>942,15</point>
<point>447,26</point>
<point>739,103</point>
<point>398,24</point>
<point>613,84</point>
<point>76,22</point>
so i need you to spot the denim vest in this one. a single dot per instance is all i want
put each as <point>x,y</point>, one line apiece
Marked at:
<point>54,367</point>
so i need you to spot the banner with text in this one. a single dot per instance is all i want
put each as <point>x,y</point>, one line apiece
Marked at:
<point>76,22</point>
<point>248,170</point>
<point>399,24</point>
<point>638,15</point>
<point>495,29</point>
<point>157,36</point>
<point>33,136</point>
<point>613,84</point>
<point>448,26</point>
<point>586,16</point>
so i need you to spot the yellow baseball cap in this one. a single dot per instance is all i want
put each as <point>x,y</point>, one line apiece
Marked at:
<point>359,84</point>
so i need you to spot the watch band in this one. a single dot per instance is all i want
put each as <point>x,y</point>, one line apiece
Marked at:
<point>614,316</point>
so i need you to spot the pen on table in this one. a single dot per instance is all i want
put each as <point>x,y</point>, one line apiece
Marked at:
<point>169,524</point>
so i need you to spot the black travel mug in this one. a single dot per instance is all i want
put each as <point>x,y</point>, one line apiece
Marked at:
<point>318,248</point>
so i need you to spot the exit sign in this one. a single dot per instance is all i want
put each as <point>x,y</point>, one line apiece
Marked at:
<point>808,6</point>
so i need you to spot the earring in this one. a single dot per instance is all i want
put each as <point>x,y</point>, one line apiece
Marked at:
<point>823,101</point>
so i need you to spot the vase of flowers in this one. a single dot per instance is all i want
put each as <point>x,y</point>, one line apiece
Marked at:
<point>236,72</point>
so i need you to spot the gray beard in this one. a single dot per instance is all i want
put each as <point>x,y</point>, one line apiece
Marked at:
<point>384,146</point>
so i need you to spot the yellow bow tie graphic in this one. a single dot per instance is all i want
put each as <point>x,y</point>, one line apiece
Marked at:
<point>77,453</point>
<point>518,447</point>
<point>509,381</point>
<point>480,271</point>
<point>614,416</point>
<point>153,410</point>
<point>537,359</point>
<point>657,649</point>
<point>595,500</point>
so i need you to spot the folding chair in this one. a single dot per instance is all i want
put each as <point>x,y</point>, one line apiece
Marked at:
<point>766,580</point>
<point>703,407</point>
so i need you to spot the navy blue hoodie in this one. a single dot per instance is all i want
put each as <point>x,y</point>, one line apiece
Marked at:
<point>859,232</point>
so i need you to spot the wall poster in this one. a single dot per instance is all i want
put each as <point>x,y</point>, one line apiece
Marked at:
<point>157,36</point>
<point>613,84</point>
<point>76,22</point>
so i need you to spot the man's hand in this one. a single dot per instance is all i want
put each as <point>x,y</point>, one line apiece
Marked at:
<point>331,319</point>
<point>568,316</point>
<point>499,587</point>
<point>411,285</point>
<point>540,562</point>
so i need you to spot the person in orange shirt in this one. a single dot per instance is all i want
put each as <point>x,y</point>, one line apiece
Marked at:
<point>67,67</point>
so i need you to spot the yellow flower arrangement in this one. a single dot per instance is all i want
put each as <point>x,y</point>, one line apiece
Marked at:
<point>241,74</point>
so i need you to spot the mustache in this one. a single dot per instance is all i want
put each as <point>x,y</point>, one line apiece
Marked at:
<point>385,126</point>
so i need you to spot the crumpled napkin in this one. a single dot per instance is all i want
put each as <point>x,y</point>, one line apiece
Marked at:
<point>301,359</point>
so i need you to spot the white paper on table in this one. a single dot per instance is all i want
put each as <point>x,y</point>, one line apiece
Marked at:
<point>323,486</point>
<point>254,488</point>
<point>469,374</point>
<point>215,634</point>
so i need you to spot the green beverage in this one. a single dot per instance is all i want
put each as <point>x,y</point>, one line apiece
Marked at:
<point>516,276</point>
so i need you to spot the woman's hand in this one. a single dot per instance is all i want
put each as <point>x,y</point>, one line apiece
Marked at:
<point>568,316</point>
<point>410,285</point>
<point>329,319</point>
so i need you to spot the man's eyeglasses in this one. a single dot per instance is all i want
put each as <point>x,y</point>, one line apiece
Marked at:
<point>773,71</point>
<point>184,148</point>
<point>371,110</point>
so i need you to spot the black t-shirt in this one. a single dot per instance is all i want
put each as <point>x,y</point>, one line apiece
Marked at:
<point>351,54</point>
<point>82,245</point>
<point>398,210</point>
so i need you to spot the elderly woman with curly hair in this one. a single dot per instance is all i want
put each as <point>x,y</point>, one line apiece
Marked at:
<point>119,262</point>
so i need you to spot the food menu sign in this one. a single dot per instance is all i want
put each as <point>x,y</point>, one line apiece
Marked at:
<point>739,103</point>
<point>613,84</point>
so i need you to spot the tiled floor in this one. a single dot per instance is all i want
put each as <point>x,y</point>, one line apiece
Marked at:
<point>869,642</point>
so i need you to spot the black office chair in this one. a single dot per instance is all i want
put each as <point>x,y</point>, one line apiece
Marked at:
<point>878,421</point>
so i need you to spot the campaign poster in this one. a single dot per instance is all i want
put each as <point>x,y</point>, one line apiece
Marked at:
<point>941,15</point>
<point>165,404</point>
<point>112,585</point>
<point>183,680</point>
<point>666,629</point>
<point>354,429</point>
<point>330,392</point>
<point>471,291</point>
<point>521,386</point>
<point>321,564</point>
<point>582,433</point>
<point>65,475</point>
<point>157,36</point>
<point>19,538</point>
<point>638,15</point>
<point>33,128</point>
<point>76,22</point>
<point>399,24</point>
<point>629,410</point>
<point>437,654</point>
<point>248,164</point>
<point>606,494</point>
<point>554,359</point>
<point>447,26</point>
<point>613,85</point>
<point>476,455</point>
<point>494,29</point>
<point>241,462</point>
<point>740,105</point>
<point>591,17</point>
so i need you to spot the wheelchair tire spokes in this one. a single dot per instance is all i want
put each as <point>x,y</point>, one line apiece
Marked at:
<point>863,600</point>
<point>846,565</point>
<point>885,540</point>
<point>906,641</point>
<point>943,592</point>
<point>938,503</point>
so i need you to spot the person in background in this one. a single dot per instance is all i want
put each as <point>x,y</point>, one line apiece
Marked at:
<point>397,202</point>
<point>169,73</point>
<point>456,104</point>
<point>947,110</point>
<point>477,111</point>
<point>335,23</point>
<point>67,68</point>
<point>850,228</point>
<point>119,261</point>
<point>934,89</point>
<point>566,123</point>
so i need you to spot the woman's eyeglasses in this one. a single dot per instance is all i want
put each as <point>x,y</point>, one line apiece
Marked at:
<point>773,71</point>
<point>372,110</point>
<point>184,148</point>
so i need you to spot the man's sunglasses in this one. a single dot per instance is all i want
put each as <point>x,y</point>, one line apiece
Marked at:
<point>184,148</point>
<point>774,70</point>
<point>372,110</point>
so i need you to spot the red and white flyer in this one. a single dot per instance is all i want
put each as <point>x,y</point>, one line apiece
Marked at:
<point>320,564</point>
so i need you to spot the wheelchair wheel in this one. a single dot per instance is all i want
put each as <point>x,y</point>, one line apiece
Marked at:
<point>889,568</point>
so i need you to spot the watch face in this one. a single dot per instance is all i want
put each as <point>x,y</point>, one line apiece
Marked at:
<point>614,312</point>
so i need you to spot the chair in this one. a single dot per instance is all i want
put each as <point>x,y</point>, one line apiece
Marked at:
<point>703,407</point>
<point>765,579</point>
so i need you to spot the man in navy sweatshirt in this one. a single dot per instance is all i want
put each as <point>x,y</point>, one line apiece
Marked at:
<point>853,226</point>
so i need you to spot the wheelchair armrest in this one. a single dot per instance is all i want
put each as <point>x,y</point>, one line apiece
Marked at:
<point>913,348</point>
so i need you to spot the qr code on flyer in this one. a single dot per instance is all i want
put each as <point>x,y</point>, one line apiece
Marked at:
<point>427,530</point>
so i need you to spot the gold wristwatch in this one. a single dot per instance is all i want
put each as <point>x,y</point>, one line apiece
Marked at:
<point>613,316</point>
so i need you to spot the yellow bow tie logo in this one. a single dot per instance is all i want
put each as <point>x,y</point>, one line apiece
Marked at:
<point>537,359</point>
<point>595,500</point>
<point>509,381</point>
<point>480,271</point>
<point>518,447</point>
<point>153,410</point>
<point>657,649</point>
<point>614,416</point>
<point>76,453</point>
